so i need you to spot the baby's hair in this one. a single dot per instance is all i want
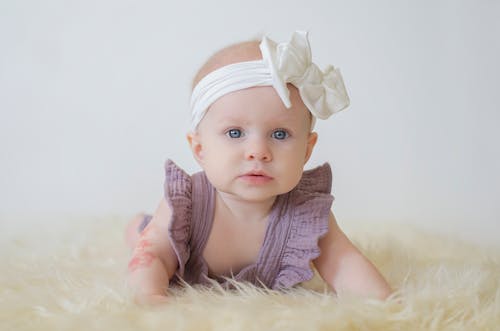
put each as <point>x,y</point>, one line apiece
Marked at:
<point>239,52</point>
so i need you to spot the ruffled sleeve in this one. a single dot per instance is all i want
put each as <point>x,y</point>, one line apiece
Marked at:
<point>311,202</point>
<point>178,188</point>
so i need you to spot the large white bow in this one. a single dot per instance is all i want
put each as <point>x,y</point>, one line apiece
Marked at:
<point>323,93</point>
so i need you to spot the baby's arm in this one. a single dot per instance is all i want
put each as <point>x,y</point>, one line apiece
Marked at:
<point>344,268</point>
<point>153,260</point>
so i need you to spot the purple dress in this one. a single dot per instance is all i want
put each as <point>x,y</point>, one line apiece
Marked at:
<point>296,222</point>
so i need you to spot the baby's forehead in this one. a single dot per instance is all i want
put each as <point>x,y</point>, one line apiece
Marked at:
<point>260,103</point>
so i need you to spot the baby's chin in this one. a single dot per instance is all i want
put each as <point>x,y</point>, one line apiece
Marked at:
<point>249,195</point>
<point>254,195</point>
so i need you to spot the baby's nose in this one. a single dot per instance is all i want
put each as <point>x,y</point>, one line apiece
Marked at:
<point>258,150</point>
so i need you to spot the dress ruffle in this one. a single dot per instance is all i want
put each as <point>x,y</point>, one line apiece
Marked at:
<point>310,217</point>
<point>178,189</point>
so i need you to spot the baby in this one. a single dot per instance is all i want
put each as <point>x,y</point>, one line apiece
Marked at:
<point>253,214</point>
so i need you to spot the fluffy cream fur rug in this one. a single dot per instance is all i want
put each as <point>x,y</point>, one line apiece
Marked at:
<point>71,277</point>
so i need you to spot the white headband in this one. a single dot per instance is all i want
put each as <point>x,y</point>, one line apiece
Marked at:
<point>323,93</point>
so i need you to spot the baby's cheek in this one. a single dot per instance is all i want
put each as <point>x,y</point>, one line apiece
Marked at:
<point>294,175</point>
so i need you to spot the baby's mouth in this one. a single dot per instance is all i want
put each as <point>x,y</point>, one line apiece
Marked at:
<point>257,173</point>
<point>256,177</point>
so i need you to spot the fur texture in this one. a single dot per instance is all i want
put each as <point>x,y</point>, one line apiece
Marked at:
<point>72,276</point>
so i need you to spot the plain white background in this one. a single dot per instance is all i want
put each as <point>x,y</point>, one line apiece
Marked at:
<point>94,97</point>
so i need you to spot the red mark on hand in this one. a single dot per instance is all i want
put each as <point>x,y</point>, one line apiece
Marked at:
<point>140,260</point>
<point>143,244</point>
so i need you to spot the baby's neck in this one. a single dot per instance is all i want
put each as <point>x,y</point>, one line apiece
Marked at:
<point>243,210</point>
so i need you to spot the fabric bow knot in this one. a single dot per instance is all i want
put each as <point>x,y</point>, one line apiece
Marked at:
<point>323,93</point>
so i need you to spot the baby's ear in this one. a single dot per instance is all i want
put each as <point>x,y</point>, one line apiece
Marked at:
<point>194,141</point>
<point>311,141</point>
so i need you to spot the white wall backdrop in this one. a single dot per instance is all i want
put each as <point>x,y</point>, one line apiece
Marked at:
<point>94,95</point>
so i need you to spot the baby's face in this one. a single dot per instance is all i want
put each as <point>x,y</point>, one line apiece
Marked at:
<point>251,146</point>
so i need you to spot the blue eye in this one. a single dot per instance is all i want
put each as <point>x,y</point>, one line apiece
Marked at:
<point>234,133</point>
<point>280,134</point>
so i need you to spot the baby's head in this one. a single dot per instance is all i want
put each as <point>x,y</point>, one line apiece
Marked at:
<point>239,52</point>
<point>254,105</point>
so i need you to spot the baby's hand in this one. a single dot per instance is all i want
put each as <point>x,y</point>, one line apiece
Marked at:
<point>153,260</point>
<point>346,269</point>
